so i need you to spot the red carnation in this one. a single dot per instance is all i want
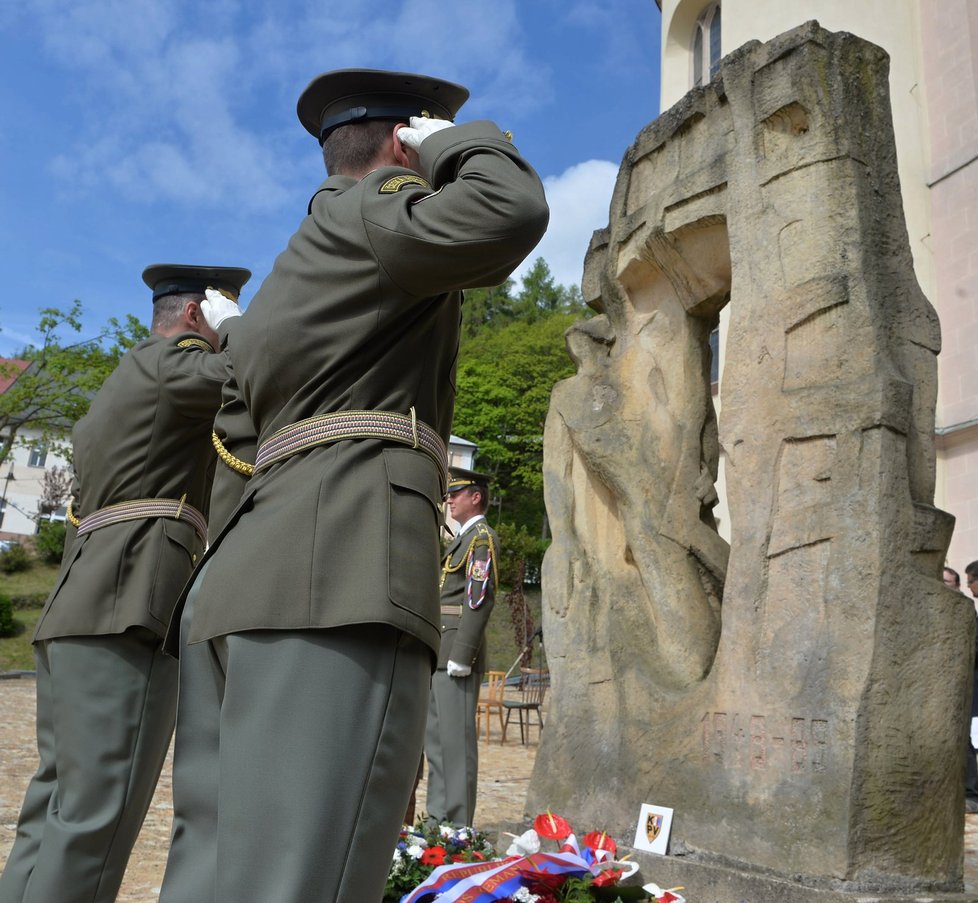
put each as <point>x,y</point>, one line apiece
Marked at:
<point>434,856</point>
<point>551,826</point>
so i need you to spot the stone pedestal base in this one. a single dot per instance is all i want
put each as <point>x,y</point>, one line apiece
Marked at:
<point>708,883</point>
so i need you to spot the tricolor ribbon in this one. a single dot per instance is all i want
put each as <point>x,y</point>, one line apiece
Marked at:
<point>498,879</point>
<point>470,576</point>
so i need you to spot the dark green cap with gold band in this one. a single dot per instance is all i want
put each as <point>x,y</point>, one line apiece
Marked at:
<point>177,279</point>
<point>357,95</point>
<point>462,479</point>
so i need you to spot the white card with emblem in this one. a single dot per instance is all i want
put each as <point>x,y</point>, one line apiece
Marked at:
<point>654,825</point>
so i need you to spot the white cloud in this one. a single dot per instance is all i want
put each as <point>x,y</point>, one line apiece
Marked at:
<point>175,101</point>
<point>579,199</point>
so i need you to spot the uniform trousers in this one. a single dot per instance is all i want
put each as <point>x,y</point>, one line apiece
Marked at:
<point>191,865</point>
<point>319,736</point>
<point>452,748</point>
<point>105,711</point>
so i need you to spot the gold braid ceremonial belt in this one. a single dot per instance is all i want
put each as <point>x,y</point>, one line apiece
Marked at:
<point>138,509</point>
<point>405,429</point>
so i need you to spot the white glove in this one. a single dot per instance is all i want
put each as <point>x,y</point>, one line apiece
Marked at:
<point>420,128</point>
<point>217,307</point>
<point>456,670</point>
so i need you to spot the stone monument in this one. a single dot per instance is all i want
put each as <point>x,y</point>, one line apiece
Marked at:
<point>798,696</point>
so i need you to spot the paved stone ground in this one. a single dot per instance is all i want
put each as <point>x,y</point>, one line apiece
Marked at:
<point>504,773</point>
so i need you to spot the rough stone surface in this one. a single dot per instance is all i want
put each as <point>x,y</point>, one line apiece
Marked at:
<point>808,728</point>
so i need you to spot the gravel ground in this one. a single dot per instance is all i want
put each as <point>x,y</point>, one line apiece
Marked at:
<point>504,775</point>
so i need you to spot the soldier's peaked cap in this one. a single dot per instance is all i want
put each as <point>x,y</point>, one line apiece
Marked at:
<point>356,95</point>
<point>462,479</point>
<point>177,278</point>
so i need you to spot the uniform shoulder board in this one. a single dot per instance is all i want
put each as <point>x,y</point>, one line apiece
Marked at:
<point>483,539</point>
<point>396,183</point>
<point>195,343</point>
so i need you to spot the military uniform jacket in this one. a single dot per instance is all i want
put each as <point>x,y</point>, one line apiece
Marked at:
<point>470,578</point>
<point>147,434</point>
<point>362,312</point>
<point>236,433</point>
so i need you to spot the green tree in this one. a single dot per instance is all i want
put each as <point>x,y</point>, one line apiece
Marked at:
<point>540,296</point>
<point>508,365</point>
<point>55,389</point>
<point>487,307</point>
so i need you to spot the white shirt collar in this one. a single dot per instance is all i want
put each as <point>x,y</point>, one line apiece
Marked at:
<point>469,523</point>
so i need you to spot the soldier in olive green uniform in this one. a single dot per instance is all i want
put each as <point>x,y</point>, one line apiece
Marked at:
<point>470,577</point>
<point>106,693</point>
<point>320,599</point>
<point>191,864</point>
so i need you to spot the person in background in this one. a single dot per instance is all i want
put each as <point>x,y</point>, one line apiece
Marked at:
<point>470,577</point>
<point>971,765</point>
<point>106,692</point>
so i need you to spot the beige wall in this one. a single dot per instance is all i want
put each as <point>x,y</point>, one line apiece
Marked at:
<point>950,55</point>
<point>933,47</point>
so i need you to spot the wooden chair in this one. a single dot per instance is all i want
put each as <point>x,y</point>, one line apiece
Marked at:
<point>533,687</point>
<point>491,701</point>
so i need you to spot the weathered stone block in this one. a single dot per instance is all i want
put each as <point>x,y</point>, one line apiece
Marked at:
<point>808,729</point>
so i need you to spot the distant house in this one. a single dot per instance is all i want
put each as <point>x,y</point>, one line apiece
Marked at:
<point>461,453</point>
<point>22,474</point>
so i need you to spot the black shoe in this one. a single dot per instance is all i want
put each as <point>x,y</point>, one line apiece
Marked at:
<point>970,804</point>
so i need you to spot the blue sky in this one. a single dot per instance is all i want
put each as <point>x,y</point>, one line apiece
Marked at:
<point>145,131</point>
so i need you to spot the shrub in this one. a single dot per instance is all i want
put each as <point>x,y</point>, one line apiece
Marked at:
<point>8,627</point>
<point>15,559</point>
<point>518,546</point>
<point>50,541</point>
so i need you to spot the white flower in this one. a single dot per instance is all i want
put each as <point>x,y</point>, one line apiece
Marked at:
<point>526,844</point>
<point>524,896</point>
<point>446,831</point>
<point>415,851</point>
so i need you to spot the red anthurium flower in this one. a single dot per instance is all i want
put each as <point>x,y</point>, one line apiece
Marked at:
<point>433,856</point>
<point>551,826</point>
<point>608,876</point>
<point>480,856</point>
<point>598,840</point>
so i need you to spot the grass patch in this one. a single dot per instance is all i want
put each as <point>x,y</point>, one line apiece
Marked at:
<point>30,587</point>
<point>16,652</point>
<point>36,581</point>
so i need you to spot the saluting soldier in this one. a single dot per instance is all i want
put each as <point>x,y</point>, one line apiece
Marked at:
<point>320,599</point>
<point>470,578</point>
<point>191,865</point>
<point>106,693</point>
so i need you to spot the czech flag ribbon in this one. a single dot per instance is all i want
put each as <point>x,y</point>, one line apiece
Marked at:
<point>484,882</point>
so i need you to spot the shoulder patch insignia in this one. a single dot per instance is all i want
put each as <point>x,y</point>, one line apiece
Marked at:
<point>195,343</point>
<point>396,183</point>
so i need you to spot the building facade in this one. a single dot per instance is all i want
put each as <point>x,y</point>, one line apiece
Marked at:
<point>933,48</point>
